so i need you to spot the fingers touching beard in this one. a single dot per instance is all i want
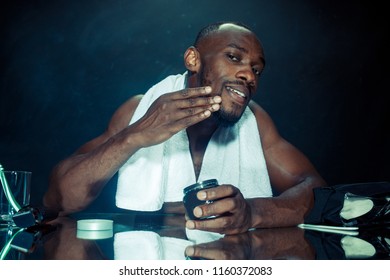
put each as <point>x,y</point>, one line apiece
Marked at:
<point>224,116</point>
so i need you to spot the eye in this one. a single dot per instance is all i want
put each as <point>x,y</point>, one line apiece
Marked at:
<point>233,57</point>
<point>256,71</point>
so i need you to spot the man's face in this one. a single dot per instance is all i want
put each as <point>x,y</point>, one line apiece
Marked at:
<point>232,60</point>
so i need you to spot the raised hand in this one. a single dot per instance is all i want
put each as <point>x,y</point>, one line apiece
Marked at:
<point>175,111</point>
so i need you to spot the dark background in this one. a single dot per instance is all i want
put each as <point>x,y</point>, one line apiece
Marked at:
<point>67,65</point>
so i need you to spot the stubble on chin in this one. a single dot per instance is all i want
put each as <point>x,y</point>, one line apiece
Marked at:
<point>225,118</point>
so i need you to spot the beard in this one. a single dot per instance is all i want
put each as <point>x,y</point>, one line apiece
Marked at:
<point>223,116</point>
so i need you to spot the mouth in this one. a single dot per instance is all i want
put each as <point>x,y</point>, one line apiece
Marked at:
<point>240,96</point>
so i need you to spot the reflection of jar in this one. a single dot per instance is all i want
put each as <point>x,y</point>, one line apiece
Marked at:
<point>191,201</point>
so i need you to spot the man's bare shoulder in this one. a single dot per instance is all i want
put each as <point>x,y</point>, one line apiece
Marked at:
<point>267,129</point>
<point>259,112</point>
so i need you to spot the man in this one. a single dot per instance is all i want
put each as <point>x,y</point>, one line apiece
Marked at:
<point>223,67</point>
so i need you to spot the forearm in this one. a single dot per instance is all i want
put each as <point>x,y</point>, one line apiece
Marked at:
<point>78,180</point>
<point>287,209</point>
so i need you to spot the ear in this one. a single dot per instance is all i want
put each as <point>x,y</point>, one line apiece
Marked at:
<point>192,60</point>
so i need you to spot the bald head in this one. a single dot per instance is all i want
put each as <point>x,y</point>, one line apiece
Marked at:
<point>215,27</point>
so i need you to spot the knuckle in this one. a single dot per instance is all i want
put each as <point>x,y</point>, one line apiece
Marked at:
<point>211,209</point>
<point>164,106</point>
<point>200,225</point>
<point>205,210</point>
<point>211,194</point>
<point>225,222</point>
<point>232,204</point>
<point>161,105</point>
<point>230,190</point>
<point>162,99</point>
<point>185,92</point>
<point>191,101</point>
<point>190,111</point>
<point>199,251</point>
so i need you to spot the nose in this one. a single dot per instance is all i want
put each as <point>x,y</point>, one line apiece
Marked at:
<point>246,74</point>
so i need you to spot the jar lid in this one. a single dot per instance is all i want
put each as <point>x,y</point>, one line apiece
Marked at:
<point>201,185</point>
<point>94,224</point>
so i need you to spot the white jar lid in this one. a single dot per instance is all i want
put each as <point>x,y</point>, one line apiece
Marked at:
<point>95,224</point>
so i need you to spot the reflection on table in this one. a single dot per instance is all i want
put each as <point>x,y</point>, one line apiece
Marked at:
<point>142,236</point>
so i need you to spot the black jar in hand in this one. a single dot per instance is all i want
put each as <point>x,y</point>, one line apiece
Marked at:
<point>190,199</point>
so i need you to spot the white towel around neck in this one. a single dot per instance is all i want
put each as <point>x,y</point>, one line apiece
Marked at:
<point>159,173</point>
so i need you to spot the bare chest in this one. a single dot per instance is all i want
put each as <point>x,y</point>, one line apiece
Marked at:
<point>197,160</point>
